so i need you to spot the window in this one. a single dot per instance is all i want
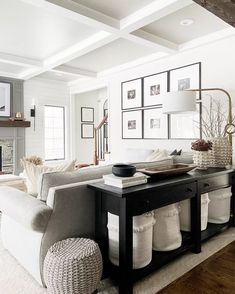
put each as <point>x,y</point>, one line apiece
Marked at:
<point>54,132</point>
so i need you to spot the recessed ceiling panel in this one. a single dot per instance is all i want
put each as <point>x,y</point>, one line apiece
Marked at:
<point>116,53</point>
<point>30,31</point>
<point>11,68</point>
<point>169,27</point>
<point>115,8</point>
<point>50,75</point>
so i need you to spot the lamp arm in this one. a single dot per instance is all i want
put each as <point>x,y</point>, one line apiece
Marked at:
<point>230,117</point>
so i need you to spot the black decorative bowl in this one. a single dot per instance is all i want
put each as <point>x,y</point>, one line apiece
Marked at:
<point>123,170</point>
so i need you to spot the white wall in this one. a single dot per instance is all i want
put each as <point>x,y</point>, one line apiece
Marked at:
<point>84,148</point>
<point>218,70</point>
<point>44,92</point>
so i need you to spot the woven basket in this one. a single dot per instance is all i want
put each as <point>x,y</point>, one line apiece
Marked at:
<point>202,159</point>
<point>73,266</point>
<point>142,239</point>
<point>221,152</point>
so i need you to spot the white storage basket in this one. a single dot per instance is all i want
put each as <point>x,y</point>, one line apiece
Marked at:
<point>219,207</point>
<point>142,239</point>
<point>185,215</point>
<point>166,231</point>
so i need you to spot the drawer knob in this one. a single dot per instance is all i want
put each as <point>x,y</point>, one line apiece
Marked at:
<point>189,190</point>
<point>206,185</point>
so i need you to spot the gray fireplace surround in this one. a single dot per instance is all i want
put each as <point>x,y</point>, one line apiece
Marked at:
<point>12,140</point>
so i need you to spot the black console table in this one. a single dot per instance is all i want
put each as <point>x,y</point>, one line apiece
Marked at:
<point>137,200</point>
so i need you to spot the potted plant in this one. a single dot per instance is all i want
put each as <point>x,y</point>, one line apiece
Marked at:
<point>202,153</point>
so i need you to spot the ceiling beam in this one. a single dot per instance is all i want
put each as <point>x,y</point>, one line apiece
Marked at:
<point>69,70</point>
<point>77,12</point>
<point>144,38</point>
<point>81,48</point>
<point>224,9</point>
<point>18,60</point>
<point>150,13</point>
<point>9,75</point>
<point>225,33</point>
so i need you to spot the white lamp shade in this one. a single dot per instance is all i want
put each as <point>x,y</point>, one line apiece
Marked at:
<point>177,102</point>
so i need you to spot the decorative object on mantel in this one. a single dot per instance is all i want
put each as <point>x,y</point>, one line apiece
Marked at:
<point>202,156</point>
<point>229,128</point>
<point>17,117</point>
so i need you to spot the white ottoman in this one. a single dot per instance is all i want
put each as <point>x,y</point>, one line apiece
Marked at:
<point>73,266</point>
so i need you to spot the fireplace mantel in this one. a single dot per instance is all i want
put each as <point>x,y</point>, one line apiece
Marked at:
<point>14,124</point>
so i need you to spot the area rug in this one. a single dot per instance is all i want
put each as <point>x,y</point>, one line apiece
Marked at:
<point>15,280</point>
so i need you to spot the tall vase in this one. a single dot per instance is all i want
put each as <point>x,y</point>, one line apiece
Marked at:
<point>202,159</point>
<point>221,152</point>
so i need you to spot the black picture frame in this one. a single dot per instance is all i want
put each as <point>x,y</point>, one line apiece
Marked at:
<point>185,83</point>
<point>84,135</point>
<point>133,124</point>
<point>132,94</point>
<point>7,111</point>
<point>166,122</point>
<point>90,111</point>
<point>148,81</point>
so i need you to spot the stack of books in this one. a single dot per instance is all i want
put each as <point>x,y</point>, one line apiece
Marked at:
<point>125,182</point>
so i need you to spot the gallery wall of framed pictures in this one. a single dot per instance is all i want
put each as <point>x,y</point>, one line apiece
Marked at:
<point>142,115</point>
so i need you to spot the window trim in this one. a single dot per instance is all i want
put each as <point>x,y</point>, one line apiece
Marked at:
<point>63,107</point>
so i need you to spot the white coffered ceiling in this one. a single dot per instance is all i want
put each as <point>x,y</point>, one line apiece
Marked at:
<point>67,40</point>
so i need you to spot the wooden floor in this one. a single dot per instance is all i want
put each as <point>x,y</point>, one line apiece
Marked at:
<point>216,275</point>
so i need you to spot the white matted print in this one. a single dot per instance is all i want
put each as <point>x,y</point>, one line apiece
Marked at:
<point>132,94</point>
<point>87,131</point>
<point>185,125</point>
<point>5,99</point>
<point>155,124</point>
<point>132,124</point>
<point>154,87</point>
<point>184,78</point>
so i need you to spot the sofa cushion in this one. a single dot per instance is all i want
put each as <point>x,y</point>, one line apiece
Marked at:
<point>134,154</point>
<point>24,209</point>
<point>62,178</point>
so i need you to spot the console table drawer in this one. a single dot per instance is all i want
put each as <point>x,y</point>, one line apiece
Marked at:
<point>214,183</point>
<point>162,197</point>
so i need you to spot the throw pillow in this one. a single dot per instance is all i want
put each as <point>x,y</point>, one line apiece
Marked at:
<point>157,154</point>
<point>33,173</point>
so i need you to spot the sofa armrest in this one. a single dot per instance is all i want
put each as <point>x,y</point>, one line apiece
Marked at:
<point>24,209</point>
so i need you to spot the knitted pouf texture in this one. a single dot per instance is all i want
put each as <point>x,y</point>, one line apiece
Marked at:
<point>73,266</point>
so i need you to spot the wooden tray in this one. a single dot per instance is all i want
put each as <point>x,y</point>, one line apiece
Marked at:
<point>167,170</point>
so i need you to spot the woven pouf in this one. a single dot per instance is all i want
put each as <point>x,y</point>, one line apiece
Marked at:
<point>73,266</point>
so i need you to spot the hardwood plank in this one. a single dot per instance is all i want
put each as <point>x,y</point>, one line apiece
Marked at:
<point>216,275</point>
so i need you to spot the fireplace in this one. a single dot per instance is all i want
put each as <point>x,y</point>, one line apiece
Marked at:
<point>7,155</point>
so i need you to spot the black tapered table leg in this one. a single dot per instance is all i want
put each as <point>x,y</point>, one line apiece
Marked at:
<point>125,249</point>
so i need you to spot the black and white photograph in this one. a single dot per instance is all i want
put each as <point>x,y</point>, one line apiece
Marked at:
<point>155,124</point>
<point>132,124</point>
<point>87,131</point>
<point>155,90</point>
<point>87,114</point>
<point>154,86</point>
<point>132,94</point>
<point>5,99</point>
<point>183,84</point>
